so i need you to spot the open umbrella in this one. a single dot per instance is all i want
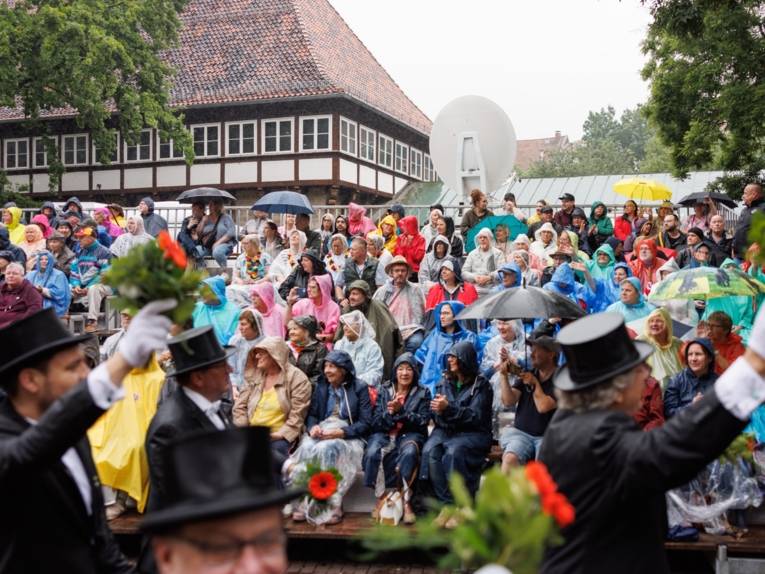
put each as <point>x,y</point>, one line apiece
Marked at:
<point>642,189</point>
<point>522,303</point>
<point>706,283</point>
<point>514,226</point>
<point>204,194</point>
<point>700,196</point>
<point>283,202</point>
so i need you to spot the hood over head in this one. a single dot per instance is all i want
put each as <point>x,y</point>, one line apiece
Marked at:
<point>606,249</point>
<point>344,361</point>
<point>443,240</point>
<point>449,263</point>
<point>485,232</point>
<point>409,225</point>
<point>149,203</point>
<point>465,353</point>
<point>42,221</point>
<point>324,283</point>
<point>276,347</point>
<point>407,359</point>
<point>622,265</point>
<point>595,205</point>
<point>706,344</point>
<point>356,212</point>
<point>670,266</point>
<point>546,226</point>
<point>15,217</point>
<point>564,277</point>
<point>72,200</point>
<point>522,239</point>
<point>360,325</point>
<point>266,293</point>
<point>511,267</point>
<point>318,264</point>
<point>217,285</point>
<point>650,243</point>
<point>456,306</point>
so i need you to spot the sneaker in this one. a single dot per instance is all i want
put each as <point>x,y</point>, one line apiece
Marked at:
<point>115,510</point>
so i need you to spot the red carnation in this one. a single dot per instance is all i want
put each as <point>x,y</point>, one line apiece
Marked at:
<point>537,473</point>
<point>172,250</point>
<point>322,485</point>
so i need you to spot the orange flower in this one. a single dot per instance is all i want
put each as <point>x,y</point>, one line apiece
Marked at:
<point>172,250</point>
<point>537,473</point>
<point>322,485</point>
<point>558,506</point>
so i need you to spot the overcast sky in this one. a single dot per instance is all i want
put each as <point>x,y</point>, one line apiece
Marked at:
<point>546,62</point>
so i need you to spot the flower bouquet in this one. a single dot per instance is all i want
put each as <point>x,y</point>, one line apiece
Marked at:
<point>151,271</point>
<point>510,523</point>
<point>321,487</point>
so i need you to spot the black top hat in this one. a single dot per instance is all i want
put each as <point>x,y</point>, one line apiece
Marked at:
<point>35,335</point>
<point>217,473</point>
<point>597,348</point>
<point>194,349</point>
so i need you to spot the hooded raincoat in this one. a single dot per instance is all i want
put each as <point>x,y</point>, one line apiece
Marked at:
<point>287,259</point>
<point>33,247</point>
<point>44,224</point>
<point>598,270</point>
<point>431,264</point>
<point>126,241</point>
<point>238,360</point>
<point>483,262</point>
<point>292,389</point>
<point>410,243</point>
<point>438,342</point>
<point>15,228</point>
<point>463,292</point>
<point>632,312</point>
<point>390,242</point>
<point>358,222</point>
<point>273,314</point>
<point>538,248</point>
<point>54,284</point>
<point>364,351</point>
<point>108,224</point>
<point>604,225</point>
<point>665,360</point>
<point>327,312</point>
<point>564,283</point>
<point>647,273</point>
<point>222,316</point>
<point>16,252</point>
<point>153,222</point>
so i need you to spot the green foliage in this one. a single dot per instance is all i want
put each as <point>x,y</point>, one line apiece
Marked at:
<point>97,57</point>
<point>706,61</point>
<point>742,447</point>
<point>20,199</point>
<point>504,525</point>
<point>146,275</point>
<point>610,145</point>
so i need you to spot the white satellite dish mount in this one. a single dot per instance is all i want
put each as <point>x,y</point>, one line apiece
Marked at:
<point>473,145</point>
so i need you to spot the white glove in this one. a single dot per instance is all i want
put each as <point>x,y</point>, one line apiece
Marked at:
<point>147,332</point>
<point>757,335</point>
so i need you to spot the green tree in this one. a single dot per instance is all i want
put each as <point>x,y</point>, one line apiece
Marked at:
<point>101,58</point>
<point>706,62</point>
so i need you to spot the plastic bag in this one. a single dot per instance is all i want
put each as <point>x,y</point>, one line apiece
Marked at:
<point>720,487</point>
<point>342,454</point>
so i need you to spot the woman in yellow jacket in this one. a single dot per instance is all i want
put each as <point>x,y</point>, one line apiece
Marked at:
<point>387,229</point>
<point>12,220</point>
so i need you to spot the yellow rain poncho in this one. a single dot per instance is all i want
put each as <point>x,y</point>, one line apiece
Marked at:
<point>117,438</point>
<point>390,243</point>
<point>15,229</point>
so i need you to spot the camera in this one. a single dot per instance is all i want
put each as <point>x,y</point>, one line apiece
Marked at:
<point>302,293</point>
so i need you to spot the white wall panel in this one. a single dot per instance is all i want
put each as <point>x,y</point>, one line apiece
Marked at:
<point>385,182</point>
<point>277,170</point>
<point>348,171</point>
<point>313,169</point>
<point>107,178</point>
<point>242,172</point>
<point>205,174</point>
<point>367,176</point>
<point>74,181</point>
<point>171,176</point>
<point>138,178</point>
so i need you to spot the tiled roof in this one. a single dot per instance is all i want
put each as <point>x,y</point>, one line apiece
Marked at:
<point>252,50</point>
<point>531,151</point>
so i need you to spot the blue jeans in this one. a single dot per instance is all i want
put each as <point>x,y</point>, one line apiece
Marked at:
<point>463,453</point>
<point>219,253</point>
<point>414,341</point>
<point>399,465</point>
<point>523,445</point>
<point>280,451</point>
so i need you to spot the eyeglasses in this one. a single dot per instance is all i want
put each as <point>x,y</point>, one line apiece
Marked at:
<point>267,545</point>
<point>717,325</point>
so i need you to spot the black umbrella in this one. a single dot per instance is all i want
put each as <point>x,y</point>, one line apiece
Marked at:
<point>699,197</point>
<point>283,202</point>
<point>204,194</point>
<point>522,303</point>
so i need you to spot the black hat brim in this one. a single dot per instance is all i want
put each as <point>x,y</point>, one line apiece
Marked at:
<point>44,350</point>
<point>174,372</point>
<point>564,382</point>
<point>194,511</point>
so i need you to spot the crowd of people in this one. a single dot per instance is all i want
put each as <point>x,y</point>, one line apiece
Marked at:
<point>345,341</point>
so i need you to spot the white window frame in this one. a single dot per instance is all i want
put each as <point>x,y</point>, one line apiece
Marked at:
<point>401,161</point>
<point>138,159</point>
<point>363,143</point>
<point>415,163</point>
<point>388,147</point>
<point>170,141</point>
<point>94,153</point>
<point>315,148</point>
<point>278,122</point>
<point>206,141</point>
<point>45,151</point>
<point>16,142</point>
<point>241,125</point>
<point>64,138</point>
<point>427,168</point>
<point>345,140</point>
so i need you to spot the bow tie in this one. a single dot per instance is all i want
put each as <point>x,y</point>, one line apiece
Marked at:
<point>213,409</point>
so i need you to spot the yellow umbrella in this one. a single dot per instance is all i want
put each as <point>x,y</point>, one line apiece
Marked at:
<point>642,189</point>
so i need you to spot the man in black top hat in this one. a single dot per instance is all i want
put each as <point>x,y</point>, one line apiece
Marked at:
<point>222,513</point>
<point>52,509</point>
<point>615,474</point>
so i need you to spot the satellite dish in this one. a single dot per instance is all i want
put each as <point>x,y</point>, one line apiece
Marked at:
<point>473,145</point>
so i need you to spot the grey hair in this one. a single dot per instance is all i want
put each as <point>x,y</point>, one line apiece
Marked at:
<point>16,265</point>
<point>597,397</point>
<point>378,240</point>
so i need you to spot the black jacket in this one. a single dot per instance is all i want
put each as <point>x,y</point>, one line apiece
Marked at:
<point>368,273</point>
<point>741,233</point>
<point>311,361</point>
<point>616,475</point>
<point>414,415</point>
<point>45,526</point>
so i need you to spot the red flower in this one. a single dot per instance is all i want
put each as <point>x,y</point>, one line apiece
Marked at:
<point>537,473</point>
<point>172,250</point>
<point>322,485</point>
<point>558,506</point>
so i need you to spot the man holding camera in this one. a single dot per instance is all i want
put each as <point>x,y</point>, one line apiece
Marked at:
<point>534,397</point>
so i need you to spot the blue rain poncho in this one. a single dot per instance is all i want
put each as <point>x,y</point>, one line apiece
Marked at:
<point>55,285</point>
<point>598,271</point>
<point>223,316</point>
<point>632,312</point>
